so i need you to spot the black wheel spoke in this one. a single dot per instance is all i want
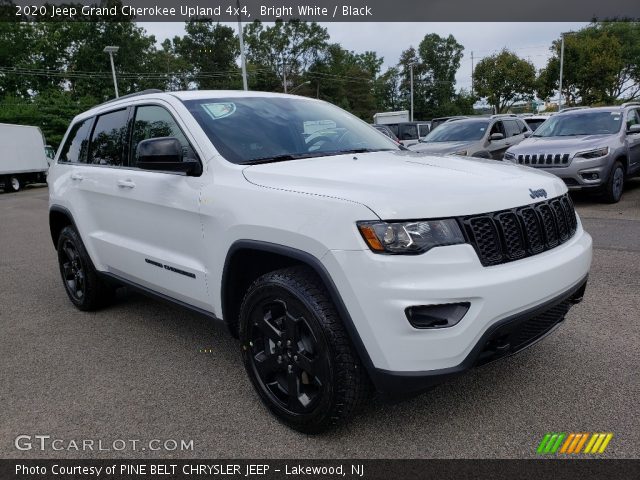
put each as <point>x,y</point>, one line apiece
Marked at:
<point>307,364</point>
<point>291,327</point>
<point>268,330</point>
<point>293,389</point>
<point>267,364</point>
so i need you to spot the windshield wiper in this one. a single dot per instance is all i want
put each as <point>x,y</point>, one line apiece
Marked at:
<point>280,158</point>
<point>359,150</point>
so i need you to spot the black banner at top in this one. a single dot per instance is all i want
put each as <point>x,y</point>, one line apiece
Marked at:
<point>322,10</point>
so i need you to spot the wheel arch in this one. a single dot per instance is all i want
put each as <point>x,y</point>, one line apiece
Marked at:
<point>59,217</point>
<point>248,259</point>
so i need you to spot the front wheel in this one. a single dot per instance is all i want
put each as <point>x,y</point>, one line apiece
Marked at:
<point>13,183</point>
<point>615,184</point>
<point>297,353</point>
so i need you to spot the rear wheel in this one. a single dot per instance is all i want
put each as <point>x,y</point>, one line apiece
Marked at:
<point>297,353</point>
<point>615,184</point>
<point>13,183</point>
<point>86,290</point>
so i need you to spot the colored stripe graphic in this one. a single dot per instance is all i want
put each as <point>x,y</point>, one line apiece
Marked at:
<point>573,443</point>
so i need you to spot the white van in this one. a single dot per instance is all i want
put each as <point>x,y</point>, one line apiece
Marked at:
<point>22,156</point>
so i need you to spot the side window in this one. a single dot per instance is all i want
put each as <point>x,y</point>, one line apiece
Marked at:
<point>632,118</point>
<point>511,127</point>
<point>523,126</point>
<point>107,139</point>
<point>77,144</point>
<point>152,121</point>
<point>409,132</point>
<point>394,129</point>
<point>497,128</point>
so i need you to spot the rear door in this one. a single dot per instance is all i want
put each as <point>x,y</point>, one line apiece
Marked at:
<point>633,141</point>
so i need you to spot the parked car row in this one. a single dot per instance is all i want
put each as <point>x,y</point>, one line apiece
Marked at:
<point>588,148</point>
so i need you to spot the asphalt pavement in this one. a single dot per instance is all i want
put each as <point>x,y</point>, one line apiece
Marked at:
<point>143,370</point>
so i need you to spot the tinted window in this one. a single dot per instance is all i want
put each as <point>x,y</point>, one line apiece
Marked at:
<point>511,128</point>
<point>107,138</point>
<point>153,122</point>
<point>497,128</point>
<point>394,129</point>
<point>409,132</point>
<point>75,148</point>
<point>458,131</point>
<point>534,123</point>
<point>263,129</point>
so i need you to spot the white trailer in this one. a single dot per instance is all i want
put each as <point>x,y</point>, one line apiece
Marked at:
<point>22,156</point>
<point>386,118</point>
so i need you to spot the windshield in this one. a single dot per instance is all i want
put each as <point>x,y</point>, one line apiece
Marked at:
<point>249,130</point>
<point>458,131</point>
<point>583,123</point>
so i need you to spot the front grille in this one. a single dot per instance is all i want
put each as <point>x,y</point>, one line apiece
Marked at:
<point>509,235</point>
<point>547,160</point>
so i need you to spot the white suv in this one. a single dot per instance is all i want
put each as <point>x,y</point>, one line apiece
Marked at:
<point>340,260</point>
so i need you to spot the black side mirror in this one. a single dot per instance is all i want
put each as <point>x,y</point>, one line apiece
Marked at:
<point>165,154</point>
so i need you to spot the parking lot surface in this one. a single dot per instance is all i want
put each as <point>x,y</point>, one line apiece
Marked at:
<point>143,370</point>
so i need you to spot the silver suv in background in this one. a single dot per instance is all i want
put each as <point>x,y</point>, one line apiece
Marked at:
<point>588,148</point>
<point>484,137</point>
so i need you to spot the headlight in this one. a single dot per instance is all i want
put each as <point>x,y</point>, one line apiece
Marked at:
<point>598,152</point>
<point>410,237</point>
<point>462,153</point>
<point>509,156</point>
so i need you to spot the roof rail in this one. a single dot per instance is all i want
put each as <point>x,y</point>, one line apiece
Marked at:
<point>630,104</point>
<point>135,94</point>
<point>501,115</point>
<point>570,109</point>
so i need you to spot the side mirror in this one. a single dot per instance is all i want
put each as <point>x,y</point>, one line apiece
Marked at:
<point>165,154</point>
<point>496,136</point>
<point>634,129</point>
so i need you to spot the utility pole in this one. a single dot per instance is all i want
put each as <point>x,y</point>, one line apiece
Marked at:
<point>284,74</point>
<point>472,74</point>
<point>243,61</point>
<point>111,50</point>
<point>561,68</point>
<point>411,77</point>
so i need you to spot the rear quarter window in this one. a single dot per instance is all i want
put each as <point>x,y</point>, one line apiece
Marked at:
<point>76,147</point>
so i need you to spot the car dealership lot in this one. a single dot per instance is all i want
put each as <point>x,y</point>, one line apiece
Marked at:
<point>143,370</point>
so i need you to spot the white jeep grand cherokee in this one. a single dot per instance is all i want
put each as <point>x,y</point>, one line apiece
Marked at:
<point>340,260</point>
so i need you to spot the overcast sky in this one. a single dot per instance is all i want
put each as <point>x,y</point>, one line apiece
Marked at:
<point>528,40</point>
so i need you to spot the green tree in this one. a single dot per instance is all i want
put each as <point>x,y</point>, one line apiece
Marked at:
<point>504,79</point>
<point>284,48</point>
<point>208,54</point>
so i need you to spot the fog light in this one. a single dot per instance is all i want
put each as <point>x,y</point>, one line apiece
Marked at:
<point>590,176</point>
<point>436,316</point>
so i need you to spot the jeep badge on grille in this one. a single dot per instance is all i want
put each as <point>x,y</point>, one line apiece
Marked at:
<point>541,192</point>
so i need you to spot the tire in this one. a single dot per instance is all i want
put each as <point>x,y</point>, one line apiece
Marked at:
<point>86,290</point>
<point>612,192</point>
<point>292,339</point>
<point>12,183</point>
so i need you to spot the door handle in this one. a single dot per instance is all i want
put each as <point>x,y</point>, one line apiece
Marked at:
<point>126,184</point>
<point>76,176</point>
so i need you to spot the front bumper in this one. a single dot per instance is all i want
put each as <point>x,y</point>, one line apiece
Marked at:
<point>578,174</point>
<point>376,290</point>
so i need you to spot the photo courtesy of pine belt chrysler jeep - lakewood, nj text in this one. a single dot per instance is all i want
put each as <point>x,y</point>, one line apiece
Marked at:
<point>345,264</point>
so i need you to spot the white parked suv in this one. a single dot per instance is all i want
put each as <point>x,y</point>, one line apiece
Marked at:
<point>341,261</point>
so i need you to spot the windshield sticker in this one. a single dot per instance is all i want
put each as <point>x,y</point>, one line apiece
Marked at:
<point>219,110</point>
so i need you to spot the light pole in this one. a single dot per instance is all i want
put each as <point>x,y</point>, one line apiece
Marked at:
<point>301,85</point>
<point>411,80</point>
<point>243,61</point>
<point>111,50</point>
<point>561,68</point>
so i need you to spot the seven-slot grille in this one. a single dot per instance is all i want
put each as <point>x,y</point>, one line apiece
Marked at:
<point>545,160</point>
<point>509,235</point>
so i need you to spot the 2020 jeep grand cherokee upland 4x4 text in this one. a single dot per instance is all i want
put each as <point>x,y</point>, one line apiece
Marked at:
<point>340,260</point>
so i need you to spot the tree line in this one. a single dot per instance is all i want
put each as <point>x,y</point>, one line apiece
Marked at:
<point>50,71</point>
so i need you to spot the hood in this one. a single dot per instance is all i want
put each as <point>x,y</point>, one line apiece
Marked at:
<point>439,147</point>
<point>572,144</point>
<point>407,185</point>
